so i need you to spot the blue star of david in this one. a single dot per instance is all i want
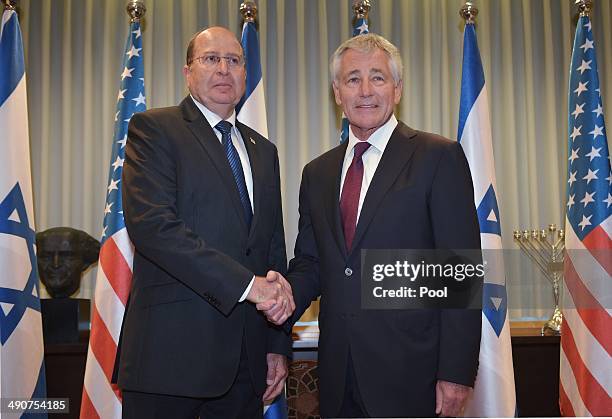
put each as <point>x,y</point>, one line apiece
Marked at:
<point>488,204</point>
<point>20,299</point>
<point>495,315</point>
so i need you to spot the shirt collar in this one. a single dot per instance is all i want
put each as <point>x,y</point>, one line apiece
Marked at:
<point>379,138</point>
<point>212,118</point>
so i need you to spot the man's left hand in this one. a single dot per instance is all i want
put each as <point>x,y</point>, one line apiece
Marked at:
<point>451,398</point>
<point>277,374</point>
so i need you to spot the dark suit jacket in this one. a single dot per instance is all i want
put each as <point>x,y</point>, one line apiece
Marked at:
<point>183,328</point>
<point>420,197</point>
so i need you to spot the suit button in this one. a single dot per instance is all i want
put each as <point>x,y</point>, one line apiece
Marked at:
<point>348,272</point>
<point>248,252</point>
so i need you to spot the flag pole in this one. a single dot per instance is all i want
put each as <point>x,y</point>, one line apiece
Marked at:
<point>136,9</point>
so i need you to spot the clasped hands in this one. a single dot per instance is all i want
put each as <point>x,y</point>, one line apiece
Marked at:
<point>272,295</point>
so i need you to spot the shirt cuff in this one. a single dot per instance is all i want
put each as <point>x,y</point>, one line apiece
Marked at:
<point>247,290</point>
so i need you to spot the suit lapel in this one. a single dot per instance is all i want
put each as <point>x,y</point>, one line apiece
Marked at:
<point>332,195</point>
<point>205,135</point>
<point>397,154</point>
<point>256,171</point>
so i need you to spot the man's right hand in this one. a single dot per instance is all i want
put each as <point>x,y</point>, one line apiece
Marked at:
<point>273,296</point>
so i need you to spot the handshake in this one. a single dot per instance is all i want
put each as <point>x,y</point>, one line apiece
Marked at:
<point>272,295</point>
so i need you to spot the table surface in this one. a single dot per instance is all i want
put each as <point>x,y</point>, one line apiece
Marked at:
<point>305,337</point>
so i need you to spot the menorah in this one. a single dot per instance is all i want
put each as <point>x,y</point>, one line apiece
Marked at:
<point>546,249</point>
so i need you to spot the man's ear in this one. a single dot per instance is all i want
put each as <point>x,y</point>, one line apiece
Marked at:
<point>336,93</point>
<point>398,91</point>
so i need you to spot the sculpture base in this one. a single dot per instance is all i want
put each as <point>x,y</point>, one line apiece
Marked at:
<point>61,318</point>
<point>553,325</point>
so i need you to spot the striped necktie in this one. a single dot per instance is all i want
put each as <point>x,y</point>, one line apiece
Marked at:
<point>225,128</point>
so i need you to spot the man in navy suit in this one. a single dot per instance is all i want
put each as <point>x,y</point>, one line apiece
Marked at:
<point>388,187</point>
<point>203,209</point>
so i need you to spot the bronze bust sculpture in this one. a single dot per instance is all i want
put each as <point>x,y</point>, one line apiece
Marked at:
<point>63,255</point>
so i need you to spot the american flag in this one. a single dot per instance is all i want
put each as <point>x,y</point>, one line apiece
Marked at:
<point>101,399</point>
<point>586,338</point>
<point>494,391</point>
<point>360,26</point>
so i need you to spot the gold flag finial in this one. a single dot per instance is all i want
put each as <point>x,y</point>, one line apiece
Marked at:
<point>468,12</point>
<point>136,9</point>
<point>248,9</point>
<point>361,8</point>
<point>9,5</point>
<point>585,7</point>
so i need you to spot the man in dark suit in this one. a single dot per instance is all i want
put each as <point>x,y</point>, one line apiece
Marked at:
<point>388,187</point>
<point>202,207</point>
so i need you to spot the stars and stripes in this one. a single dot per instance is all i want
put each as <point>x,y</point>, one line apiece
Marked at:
<point>360,27</point>
<point>586,344</point>
<point>494,391</point>
<point>21,337</point>
<point>101,399</point>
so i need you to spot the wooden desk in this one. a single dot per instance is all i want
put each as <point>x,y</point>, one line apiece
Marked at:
<point>535,357</point>
<point>536,370</point>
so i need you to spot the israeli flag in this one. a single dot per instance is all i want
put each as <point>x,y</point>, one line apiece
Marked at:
<point>21,354</point>
<point>252,112</point>
<point>494,392</point>
<point>252,107</point>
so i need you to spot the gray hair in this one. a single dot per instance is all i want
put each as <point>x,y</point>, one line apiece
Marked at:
<point>366,43</point>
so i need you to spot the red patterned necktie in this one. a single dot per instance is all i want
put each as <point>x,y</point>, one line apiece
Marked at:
<point>349,200</point>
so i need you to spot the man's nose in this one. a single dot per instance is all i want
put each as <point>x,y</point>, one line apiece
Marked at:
<point>56,260</point>
<point>223,66</point>
<point>366,88</point>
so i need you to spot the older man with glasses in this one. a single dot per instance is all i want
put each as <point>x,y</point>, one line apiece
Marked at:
<point>203,209</point>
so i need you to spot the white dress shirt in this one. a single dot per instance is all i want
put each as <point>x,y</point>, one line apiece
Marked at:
<point>213,119</point>
<point>378,142</point>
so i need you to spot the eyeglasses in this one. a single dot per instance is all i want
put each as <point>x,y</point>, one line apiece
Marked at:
<point>211,60</point>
